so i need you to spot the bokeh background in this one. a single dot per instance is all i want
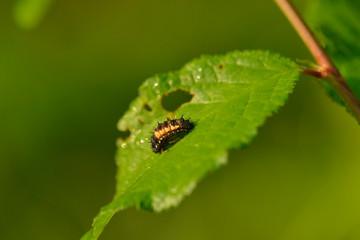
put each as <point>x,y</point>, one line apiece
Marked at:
<point>65,83</point>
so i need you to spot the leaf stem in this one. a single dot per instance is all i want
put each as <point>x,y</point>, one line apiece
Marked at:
<point>327,70</point>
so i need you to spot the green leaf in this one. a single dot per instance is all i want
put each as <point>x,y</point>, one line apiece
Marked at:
<point>337,24</point>
<point>28,13</point>
<point>232,97</point>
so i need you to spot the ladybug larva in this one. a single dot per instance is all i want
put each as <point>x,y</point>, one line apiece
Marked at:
<point>167,133</point>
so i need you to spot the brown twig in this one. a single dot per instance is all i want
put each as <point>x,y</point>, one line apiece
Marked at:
<point>312,72</point>
<point>328,71</point>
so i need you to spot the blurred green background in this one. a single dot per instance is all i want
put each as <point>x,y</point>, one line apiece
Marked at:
<point>65,84</point>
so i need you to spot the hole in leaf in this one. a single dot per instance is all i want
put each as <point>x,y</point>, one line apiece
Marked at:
<point>124,134</point>
<point>220,66</point>
<point>147,107</point>
<point>174,100</point>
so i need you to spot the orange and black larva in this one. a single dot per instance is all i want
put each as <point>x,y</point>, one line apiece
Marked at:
<point>167,130</point>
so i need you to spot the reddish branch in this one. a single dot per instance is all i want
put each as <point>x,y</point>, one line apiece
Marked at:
<point>327,69</point>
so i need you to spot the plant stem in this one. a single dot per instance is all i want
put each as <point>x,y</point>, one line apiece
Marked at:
<point>327,70</point>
